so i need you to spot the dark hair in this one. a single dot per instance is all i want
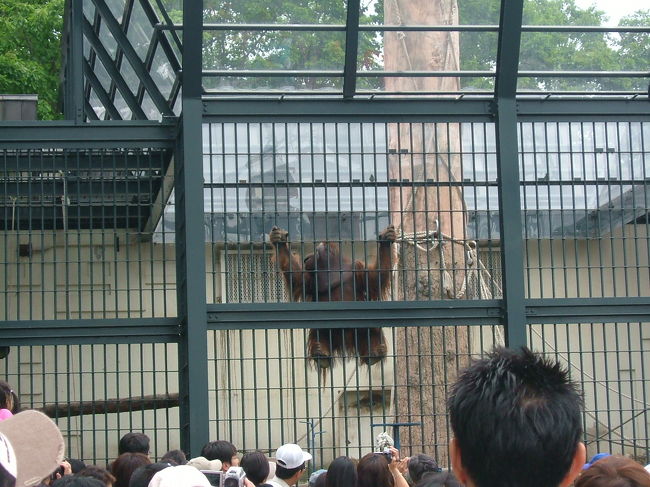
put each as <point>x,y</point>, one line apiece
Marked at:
<point>133,443</point>
<point>420,464</point>
<point>142,475</point>
<point>438,479</point>
<point>256,466</point>
<point>8,398</point>
<point>219,450</point>
<point>287,473</point>
<point>98,473</point>
<point>373,471</point>
<point>77,481</point>
<point>124,466</point>
<point>516,418</point>
<point>6,479</point>
<point>77,465</point>
<point>341,472</point>
<point>176,457</point>
<point>614,471</point>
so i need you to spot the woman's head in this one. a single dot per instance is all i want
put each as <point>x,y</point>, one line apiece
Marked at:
<point>342,472</point>
<point>373,471</point>
<point>8,398</point>
<point>124,466</point>
<point>614,471</point>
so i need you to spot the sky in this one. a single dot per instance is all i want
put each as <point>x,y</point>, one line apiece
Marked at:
<point>616,9</point>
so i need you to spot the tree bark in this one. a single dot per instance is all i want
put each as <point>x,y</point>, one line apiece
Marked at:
<point>424,158</point>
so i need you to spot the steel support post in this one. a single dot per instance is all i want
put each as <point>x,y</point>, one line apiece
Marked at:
<point>508,172</point>
<point>74,102</point>
<point>190,263</point>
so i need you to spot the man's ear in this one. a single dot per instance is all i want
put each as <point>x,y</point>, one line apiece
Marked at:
<point>579,460</point>
<point>457,462</point>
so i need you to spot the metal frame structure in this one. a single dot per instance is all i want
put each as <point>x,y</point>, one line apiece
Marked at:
<point>180,134</point>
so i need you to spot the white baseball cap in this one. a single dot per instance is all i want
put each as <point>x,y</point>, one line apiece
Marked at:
<point>179,476</point>
<point>31,447</point>
<point>291,456</point>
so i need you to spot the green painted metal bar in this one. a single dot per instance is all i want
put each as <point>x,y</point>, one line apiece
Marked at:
<point>337,109</point>
<point>410,109</point>
<point>190,263</point>
<point>352,314</point>
<point>118,330</point>
<point>351,48</point>
<point>508,172</point>
<point>74,104</point>
<point>588,310</point>
<point>133,58</point>
<point>335,73</point>
<point>101,135</point>
<point>407,28</point>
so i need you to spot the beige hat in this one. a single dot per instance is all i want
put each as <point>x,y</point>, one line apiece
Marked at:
<point>31,447</point>
<point>203,463</point>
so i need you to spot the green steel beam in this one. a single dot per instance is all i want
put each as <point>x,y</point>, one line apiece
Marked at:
<point>351,49</point>
<point>395,110</point>
<point>508,172</point>
<point>588,310</point>
<point>133,58</point>
<point>190,243</point>
<point>100,135</point>
<point>470,109</point>
<point>118,330</point>
<point>353,314</point>
<point>74,94</point>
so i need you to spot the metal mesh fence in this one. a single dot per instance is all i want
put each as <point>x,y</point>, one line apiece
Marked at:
<point>90,234</point>
<point>97,393</point>
<point>76,235</point>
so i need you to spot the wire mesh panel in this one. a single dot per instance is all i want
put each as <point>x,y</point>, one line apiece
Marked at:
<point>76,230</point>
<point>265,392</point>
<point>97,393</point>
<point>345,183</point>
<point>608,360</point>
<point>585,208</point>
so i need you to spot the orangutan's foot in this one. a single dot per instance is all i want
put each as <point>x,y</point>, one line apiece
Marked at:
<point>376,355</point>
<point>320,355</point>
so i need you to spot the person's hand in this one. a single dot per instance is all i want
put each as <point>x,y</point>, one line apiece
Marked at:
<point>395,462</point>
<point>67,468</point>
<point>403,465</point>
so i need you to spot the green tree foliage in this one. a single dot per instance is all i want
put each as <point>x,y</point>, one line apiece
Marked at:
<point>269,50</point>
<point>30,54</point>
<point>571,51</point>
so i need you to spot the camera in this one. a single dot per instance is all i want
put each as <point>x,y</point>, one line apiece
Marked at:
<point>386,453</point>
<point>215,478</point>
<point>234,477</point>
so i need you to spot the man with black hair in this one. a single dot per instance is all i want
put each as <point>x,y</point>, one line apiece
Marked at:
<point>221,450</point>
<point>256,467</point>
<point>290,464</point>
<point>516,420</point>
<point>134,443</point>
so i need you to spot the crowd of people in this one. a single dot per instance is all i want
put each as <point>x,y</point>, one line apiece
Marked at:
<point>515,418</point>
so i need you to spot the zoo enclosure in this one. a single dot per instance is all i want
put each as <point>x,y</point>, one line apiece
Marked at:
<point>133,271</point>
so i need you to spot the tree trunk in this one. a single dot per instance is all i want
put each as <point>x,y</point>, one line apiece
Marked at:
<point>424,158</point>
